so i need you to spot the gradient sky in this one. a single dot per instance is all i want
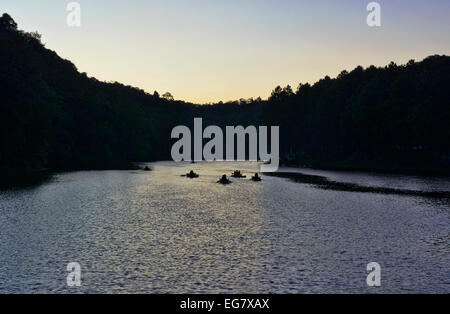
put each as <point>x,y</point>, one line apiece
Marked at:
<point>210,50</point>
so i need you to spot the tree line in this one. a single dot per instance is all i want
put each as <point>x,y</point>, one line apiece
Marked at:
<point>54,117</point>
<point>394,118</point>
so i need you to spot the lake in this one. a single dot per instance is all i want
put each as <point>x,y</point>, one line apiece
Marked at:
<point>158,232</point>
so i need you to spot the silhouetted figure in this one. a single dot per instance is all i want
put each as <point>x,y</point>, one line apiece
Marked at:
<point>192,175</point>
<point>256,178</point>
<point>224,180</point>
<point>238,174</point>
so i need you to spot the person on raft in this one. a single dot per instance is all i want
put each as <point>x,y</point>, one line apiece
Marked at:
<point>192,174</point>
<point>224,180</point>
<point>237,174</point>
<point>256,178</point>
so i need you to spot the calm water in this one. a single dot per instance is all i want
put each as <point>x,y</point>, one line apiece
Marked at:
<point>156,232</point>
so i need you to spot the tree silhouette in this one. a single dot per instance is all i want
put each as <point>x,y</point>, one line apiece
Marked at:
<point>7,22</point>
<point>167,96</point>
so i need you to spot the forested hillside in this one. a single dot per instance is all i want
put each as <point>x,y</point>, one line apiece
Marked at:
<point>53,117</point>
<point>393,118</point>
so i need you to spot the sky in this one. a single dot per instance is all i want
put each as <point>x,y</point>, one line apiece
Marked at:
<point>218,50</point>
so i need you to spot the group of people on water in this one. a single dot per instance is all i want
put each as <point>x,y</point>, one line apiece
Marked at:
<point>224,179</point>
<point>238,174</point>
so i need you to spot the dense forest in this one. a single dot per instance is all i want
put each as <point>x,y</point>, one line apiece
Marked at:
<point>395,118</point>
<point>53,117</point>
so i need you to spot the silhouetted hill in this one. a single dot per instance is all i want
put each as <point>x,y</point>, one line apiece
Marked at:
<point>393,118</point>
<point>52,116</point>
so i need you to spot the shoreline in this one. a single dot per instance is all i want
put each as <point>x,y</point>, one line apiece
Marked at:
<point>324,183</point>
<point>413,170</point>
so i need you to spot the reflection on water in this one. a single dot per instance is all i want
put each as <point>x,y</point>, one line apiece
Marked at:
<point>157,232</point>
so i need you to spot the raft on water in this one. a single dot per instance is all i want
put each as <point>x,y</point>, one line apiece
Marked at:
<point>224,180</point>
<point>256,178</point>
<point>238,174</point>
<point>192,175</point>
